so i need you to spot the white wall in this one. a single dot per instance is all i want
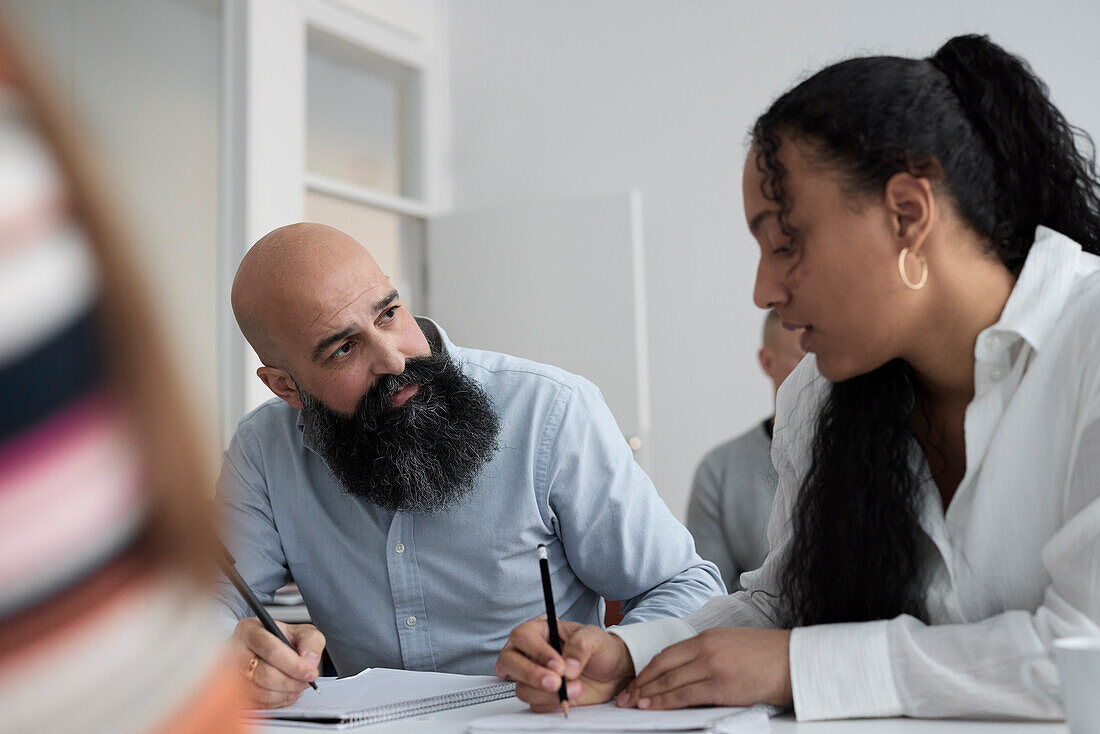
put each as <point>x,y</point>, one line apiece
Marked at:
<point>140,80</point>
<point>555,99</point>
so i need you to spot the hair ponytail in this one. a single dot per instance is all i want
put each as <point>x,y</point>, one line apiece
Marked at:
<point>1042,177</point>
<point>976,121</point>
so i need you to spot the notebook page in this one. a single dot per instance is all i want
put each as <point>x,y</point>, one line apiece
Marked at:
<point>377,688</point>
<point>609,717</point>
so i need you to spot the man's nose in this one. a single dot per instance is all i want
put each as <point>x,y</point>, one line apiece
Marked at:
<point>389,361</point>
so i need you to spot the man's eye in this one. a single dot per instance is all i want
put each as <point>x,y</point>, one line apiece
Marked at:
<point>342,350</point>
<point>390,312</point>
<point>785,247</point>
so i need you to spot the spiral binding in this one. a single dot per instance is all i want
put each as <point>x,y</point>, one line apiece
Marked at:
<point>430,705</point>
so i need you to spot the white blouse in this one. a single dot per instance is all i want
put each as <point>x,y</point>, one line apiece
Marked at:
<point>1017,554</point>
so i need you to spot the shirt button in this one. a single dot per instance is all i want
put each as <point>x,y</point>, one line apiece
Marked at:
<point>410,621</point>
<point>399,548</point>
<point>997,373</point>
<point>992,341</point>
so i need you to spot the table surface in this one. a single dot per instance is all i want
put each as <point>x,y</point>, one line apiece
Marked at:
<point>455,721</point>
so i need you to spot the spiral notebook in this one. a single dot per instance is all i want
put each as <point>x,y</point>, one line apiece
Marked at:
<point>383,694</point>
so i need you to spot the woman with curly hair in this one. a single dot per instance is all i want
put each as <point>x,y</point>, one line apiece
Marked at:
<point>933,226</point>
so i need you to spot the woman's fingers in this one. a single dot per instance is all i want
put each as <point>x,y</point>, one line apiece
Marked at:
<point>699,693</point>
<point>671,657</point>
<point>685,675</point>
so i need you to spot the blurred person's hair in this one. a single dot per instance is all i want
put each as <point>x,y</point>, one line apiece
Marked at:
<point>137,369</point>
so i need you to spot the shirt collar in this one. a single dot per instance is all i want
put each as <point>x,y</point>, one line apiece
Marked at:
<point>437,339</point>
<point>1042,288</point>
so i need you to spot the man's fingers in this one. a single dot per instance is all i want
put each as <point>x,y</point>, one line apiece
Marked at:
<point>263,698</point>
<point>532,639</point>
<point>539,699</point>
<point>579,648</point>
<point>699,693</point>
<point>567,629</point>
<point>514,665</point>
<point>275,652</point>
<point>306,639</point>
<point>542,700</point>
<point>272,679</point>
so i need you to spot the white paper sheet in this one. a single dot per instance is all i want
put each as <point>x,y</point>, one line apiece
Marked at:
<point>609,717</point>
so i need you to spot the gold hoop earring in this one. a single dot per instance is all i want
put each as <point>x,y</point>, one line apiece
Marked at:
<point>905,276</point>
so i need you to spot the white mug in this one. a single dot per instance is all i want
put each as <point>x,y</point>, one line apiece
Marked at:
<point>1078,661</point>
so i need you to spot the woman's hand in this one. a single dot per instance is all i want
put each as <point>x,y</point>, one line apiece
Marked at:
<point>721,666</point>
<point>596,664</point>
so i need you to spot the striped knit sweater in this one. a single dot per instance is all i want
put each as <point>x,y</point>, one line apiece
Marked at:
<point>93,636</point>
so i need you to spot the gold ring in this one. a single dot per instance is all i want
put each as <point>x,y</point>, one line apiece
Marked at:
<point>252,667</point>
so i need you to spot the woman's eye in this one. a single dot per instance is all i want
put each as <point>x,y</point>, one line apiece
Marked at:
<point>785,247</point>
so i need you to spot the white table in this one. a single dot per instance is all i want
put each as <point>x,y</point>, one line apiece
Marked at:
<point>455,721</point>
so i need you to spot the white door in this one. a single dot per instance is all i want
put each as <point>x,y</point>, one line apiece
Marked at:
<point>561,282</point>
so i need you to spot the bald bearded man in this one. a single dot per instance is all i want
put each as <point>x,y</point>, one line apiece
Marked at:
<point>403,482</point>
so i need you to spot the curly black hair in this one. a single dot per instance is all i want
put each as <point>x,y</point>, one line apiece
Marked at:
<point>978,123</point>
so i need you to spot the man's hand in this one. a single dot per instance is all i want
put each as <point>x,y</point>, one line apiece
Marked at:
<point>276,675</point>
<point>596,664</point>
<point>721,666</point>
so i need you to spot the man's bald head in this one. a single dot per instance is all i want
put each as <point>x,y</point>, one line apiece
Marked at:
<point>277,282</point>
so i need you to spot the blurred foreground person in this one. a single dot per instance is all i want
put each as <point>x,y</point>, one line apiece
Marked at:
<point>104,535</point>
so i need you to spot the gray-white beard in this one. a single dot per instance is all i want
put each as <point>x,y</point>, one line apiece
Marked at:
<point>423,456</point>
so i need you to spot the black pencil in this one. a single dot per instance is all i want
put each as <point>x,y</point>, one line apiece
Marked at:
<point>229,567</point>
<point>552,622</point>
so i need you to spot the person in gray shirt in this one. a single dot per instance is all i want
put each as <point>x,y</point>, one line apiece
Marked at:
<point>731,496</point>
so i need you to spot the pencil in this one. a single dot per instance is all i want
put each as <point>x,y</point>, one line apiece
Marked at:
<point>229,567</point>
<point>552,622</point>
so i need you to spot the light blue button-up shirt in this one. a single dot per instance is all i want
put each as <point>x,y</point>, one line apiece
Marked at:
<point>442,591</point>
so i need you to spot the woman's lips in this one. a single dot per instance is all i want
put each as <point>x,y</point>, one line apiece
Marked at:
<point>402,396</point>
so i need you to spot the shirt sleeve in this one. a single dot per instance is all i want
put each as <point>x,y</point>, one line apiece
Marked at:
<point>958,670</point>
<point>620,538</point>
<point>759,604</point>
<point>706,523</point>
<point>249,531</point>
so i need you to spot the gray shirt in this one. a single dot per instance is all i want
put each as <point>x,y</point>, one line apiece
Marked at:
<point>731,499</point>
<point>442,591</point>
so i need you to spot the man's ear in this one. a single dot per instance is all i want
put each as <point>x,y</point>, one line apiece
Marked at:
<point>767,360</point>
<point>280,382</point>
<point>911,206</point>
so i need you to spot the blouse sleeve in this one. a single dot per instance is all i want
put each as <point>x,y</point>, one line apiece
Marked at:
<point>905,667</point>
<point>759,604</point>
